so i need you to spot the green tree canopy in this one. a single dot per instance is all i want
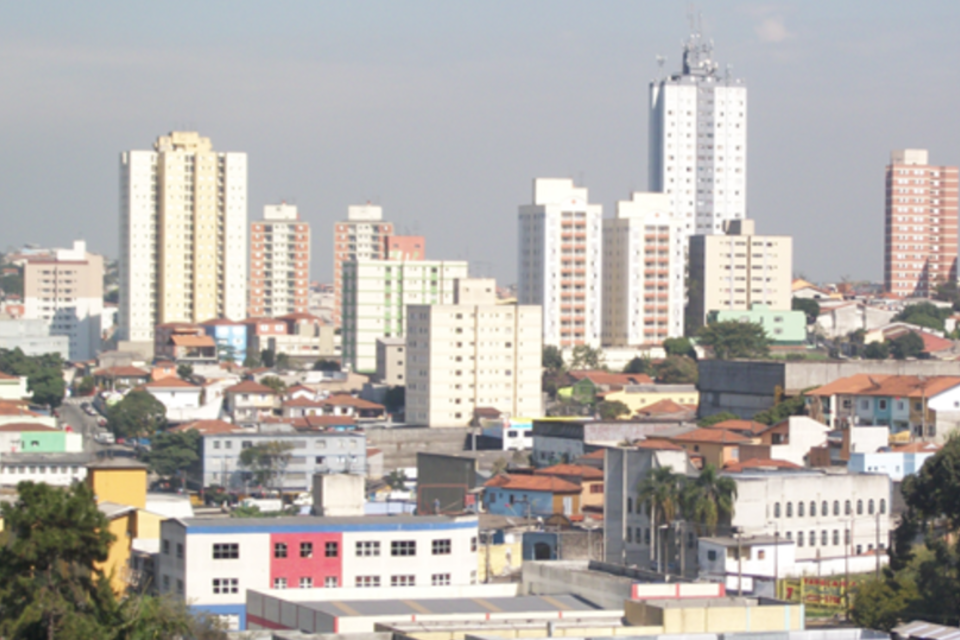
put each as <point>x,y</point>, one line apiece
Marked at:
<point>552,359</point>
<point>267,461</point>
<point>44,374</point>
<point>283,362</point>
<point>909,345</point>
<point>733,339</point>
<point>585,357</point>
<point>139,414</point>
<point>174,452</point>
<point>86,386</point>
<point>47,386</point>
<point>268,358</point>
<point>275,383</point>
<point>809,306</point>
<point>639,365</point>
<point>717,417</point>
<point>795,406</point>
<point>924,314</point>
<point>326,365</point>
<point>876,351</point>
<point>611,410</point>
<point>709,500</point>
<point>677,370</point>
<point>679,347</point>
<point>660,491</point>
<point>184,371</point>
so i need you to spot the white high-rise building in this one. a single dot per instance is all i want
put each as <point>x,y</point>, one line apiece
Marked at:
<point>362,236</point>
<point>183,235</point>
<point>472,353</point>
<point>698,141</point>
<point>559,262</point>
<point>643,264</point>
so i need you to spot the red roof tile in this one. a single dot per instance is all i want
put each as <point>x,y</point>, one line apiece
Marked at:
<point>193,341</point>
<point>344,400</point>
<point>664,406</point>
<point>249,386</point>
<point>303,402</point>
<point>658,445</point>
<point>579,470</point>
<point>549,484</point>
<point>615,379</point>
<point>863,384</point>
<point>715,436</point>
<point>747,426</point>
<point>7,376</point>
<point>595,455</point>
<point>759,463</point>
<point>169,383</point>
<point>209,427</point>
<point>122,372</point>
<point>917,447</point>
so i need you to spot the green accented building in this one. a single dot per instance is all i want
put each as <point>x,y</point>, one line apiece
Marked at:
<point>784,328</point>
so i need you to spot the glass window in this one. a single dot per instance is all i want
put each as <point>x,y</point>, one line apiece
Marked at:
<point>226,551</point>
<point>280,550</point>
<point>789,509</point>
<point>367,581</point>
<point>870,506</point>
<point>331,549</point>
<point>441,547</point>
<point>330,582</point>
<point>306,582</point>
<point>368,548</point>
<point>823,538</point>
<point>776,509</point>
<point>403,548</point>
<point>799,509</point>
<point>279,583</point>
<point>846,508</point>
<point>813,538</point>
<point>859,507</point>
<point>440,580</point>
<point>306,549</point>
<point>403,581</point>
<point>836,507</point>
<point>226,585</point>
<point>799,538</point>
<point>883,505</point>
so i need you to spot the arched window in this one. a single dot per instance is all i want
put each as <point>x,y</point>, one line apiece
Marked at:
<point>813,509</point>
<point>789,509</point>
<point>813,538</point>
<point>836,537</point>
<point>823,538</point>
<point>883,505</point>
<point>859,507</point>
<point>824,510</point>
<point>799,509</point>
<point>846,508</point>
<point>836,507</point>
<point>776,509</point>
<point>870,506</point>
<point>799,538</point>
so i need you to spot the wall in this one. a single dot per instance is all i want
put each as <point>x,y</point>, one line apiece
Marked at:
<point>444,480</point>
<point>339,494</point>
<point>552,578</point>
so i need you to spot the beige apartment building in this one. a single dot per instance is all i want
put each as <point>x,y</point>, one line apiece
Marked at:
<point>472,353</point>
<point>362,236</point>
<point>65,289</point>
<point>279,263</point>
<point>183,235</point>
<point>737,270</point>
<point>920,230</point>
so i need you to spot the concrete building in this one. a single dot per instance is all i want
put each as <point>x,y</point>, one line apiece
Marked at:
<point>65,290</point>
<point>698,141</point>
<point>13,387</point>
<point>897,463</point>
<point>279,262</point>
<point>376,294</point>
<point>32,337</point>
<point>737,270</point>
<point>55,469</point>
<point>920,225</point>
<point>362,236</point>
<point>643,269</point>
<point>183,235</point>
<point>305,338</point>
<point>560,267</point>
<point>406,248</point>
<point>230,337</point>
<point>472,353</point>
<point>783,327</point>
<point>212,562</point>
<point>392,361</point>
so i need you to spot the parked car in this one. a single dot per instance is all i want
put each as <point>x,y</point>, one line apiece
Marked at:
<point>104,437</point>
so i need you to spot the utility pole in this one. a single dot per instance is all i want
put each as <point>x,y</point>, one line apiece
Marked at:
<point>739,564</point>
<point>876,549</point>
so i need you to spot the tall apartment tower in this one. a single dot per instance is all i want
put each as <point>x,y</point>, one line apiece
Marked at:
<point>183,234</point>
<point>920,240</point>
<point>559,262</point>
<point>279,263</point>
<point>472,353</point>
<point>362,236</point>
<point>643,269</point>
<point>698,141</point>
<point>66,290</point>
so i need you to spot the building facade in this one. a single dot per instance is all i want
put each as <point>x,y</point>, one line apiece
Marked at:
<point>473,353</point>
<point>406,248</point>
<point>376,294</point>
<point>643,269</point>
<point>279,262</point>
<point>183,234</point>
<point>559,262</point>
<point>920,239</point>
<point>65,289</point>
<point>736,270</point>
<point>698,141</point>
<point>362,236</point>
<point>211,562</point>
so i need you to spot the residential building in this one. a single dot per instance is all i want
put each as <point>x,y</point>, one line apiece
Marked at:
<point>715,447</point>
<point>54,469</point>
<point>531,496</point>
<point>698,141</point>
<point>897,463</point>
<point>920,225</point>
<point>17,412</point>
<point>472,353</point>
<point>174,394</point>
<point>65,290</point>
<point>229,556</point>
<point>13,387</point>
<point>230,338</point>
<point>279,262</point>
<point>391,361</point>
<point>557,440</point>
<point>783,327</point>
<point>375,296</point>
<point>33,437</point>
<point>589,478</point>
<point>405,248</point>
<point>643,272</point>
<point>790,440</point>
<point>32,337</point>
<point>362,236</point>
<point>641,396</point>
<point>118,378</point>
<point>560,267</point>
<point>249,402</point>
<point>736,270</point>
<point>310,453</point>
<point>185,343</point>
<point>307,338</point>
<point>183,235</point>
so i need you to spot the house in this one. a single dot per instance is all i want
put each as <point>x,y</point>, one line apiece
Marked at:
<point>31,437</point>
<point>342,404</point>
<point>897,463</point>
<point>174,393</point>
<point>789,440</point>
<point>639,396</point>
<point>119,378</point>
<point>250,401</point>
<point>589,478</point>
<point>184,343</point>
<point>586,384</point>
<point>163,369</point>
<point>18,412</point>
<point>230,338</point>
<point>308,338</point>
<point>13,387</point>
<point>746,428</point>
<point>532,496</point>
<point>714,446</point>
<point>668,409</point>
<point>803,289</point>
<point>210,427</point>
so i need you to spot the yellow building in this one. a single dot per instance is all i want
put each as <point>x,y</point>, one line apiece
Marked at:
<point>714,446</point>
<point>715,615</point>
<point>637,397</point>
<point>120,488</point>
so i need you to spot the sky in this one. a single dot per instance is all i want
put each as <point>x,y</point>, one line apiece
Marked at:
<point>444,112</point>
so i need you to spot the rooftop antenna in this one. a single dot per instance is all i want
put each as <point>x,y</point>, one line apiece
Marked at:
<point>660,61</point>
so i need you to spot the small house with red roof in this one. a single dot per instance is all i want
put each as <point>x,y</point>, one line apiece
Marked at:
<point>13,387</point>
<point>532,496</point>
<point>249,401</point>
<point>184,343</point>
<point>117,378</point>
<point>588,477</point>
<point>715,446</point>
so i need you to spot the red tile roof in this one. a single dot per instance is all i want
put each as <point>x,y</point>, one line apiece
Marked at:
<point>303,402</point>
<point>665,406</point>
<point>169,383</point>
<point>578,470</point>
<point>714,436</point>
<point>658,445</point>
<point>747,426</point>
<point>595,455</point>
<point>344,400</point>
<point>548,484</point>
<point>917,447</point>
<point>209,427</point>
<point>213,322</point>
<point>759,463</point>
<point>249,386</point>
<point>612,379</point>
<point>8,408</point>
<point>863,384</point>
<point>193,341</point>
<point>122,372</point>
<point>7,376</point>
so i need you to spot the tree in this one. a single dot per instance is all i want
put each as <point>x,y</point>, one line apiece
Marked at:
<point>639,365</point>
<point>252,361</point>
<point>275,383</point>
<point>86,386</point>
<point>709,499</point>
<point>717,417</point>
<point>679,347</point>
<point>268,358</point>
<point>585,357</point>
<point>794,406</point>
<point>924,314</point>
<point>267,461</point>
<point>876,351</point>
<point>733,339</point>
<point>395,398</point>
<point>283,362</point>
<point>47,387</point>
<point>396,479</point>
<point>660,491</point>
<point>909,345</point>
<point>552,359</point>
<point>184,371</point>
<point>139,414</point>
<point>173,453</point>
<point>44,374</point>
<point>809,306</point>
<point>611,410</point>
<point>882,604</point>
<point>677,370</point>
<point>326,365</point>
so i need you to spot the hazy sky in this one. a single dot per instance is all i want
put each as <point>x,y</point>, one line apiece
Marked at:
<point>444,112</point>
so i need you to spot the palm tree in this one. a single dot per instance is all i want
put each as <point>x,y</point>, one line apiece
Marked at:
<point>709,499</point>
<point>660,490</point>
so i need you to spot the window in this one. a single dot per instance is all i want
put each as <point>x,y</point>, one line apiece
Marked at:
<point>813,538</point>
<point>870,506</point>
<point>836,507</point>
<point>226,551</point>
<point>369,548</point>
<point>799,538</point>
<point>799,509</point>
<point>331,549</point>
<point>179,586</point>
<point>859,507</point>
<point>441,547</point>
<point>711,555</point>
<point>883,405</point>
<point>402,581</point>
<point>306,583</point>
<point>823,538</point>
<point>761,554</point>
<point>440,580</point>
<point>306,549</point>
<point>789,509</point>
<point>836,537</point>
<point>280,550</point>
<point>166,547</point>
<point>279,583</point>
<point>813,509</point>
<point>846,536</point>
<point>776,509</point>
<point>846,508</point>
<point>180,550</point>
<point>166,583</point>
<point>403,548</point>
<point>226,585</point>
<point>330,582</point>
<point>473,543</point>
<point>883,505</point>
<point>367,581</point>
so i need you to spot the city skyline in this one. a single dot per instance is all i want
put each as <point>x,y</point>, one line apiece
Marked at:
<point>427,110</point>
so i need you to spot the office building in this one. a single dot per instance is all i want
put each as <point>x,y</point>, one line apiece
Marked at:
<point>470,354</point>
<point>559,262</point>
<point>183,235</point>
<point>279,263</point>
<point>698,141</point>
<point>376,294</point>
<point>920,239</point>
<point>737,270</point>
<point>362,236</point>
<point>65,289</point>
<point>643,269</point>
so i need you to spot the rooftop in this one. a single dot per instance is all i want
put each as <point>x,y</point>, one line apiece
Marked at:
<point>249,386</point>
<point>579,470</point>
<point>209,427</point>
<point>313,523</point>
<point>714,436</point>
<point>518,482</point>
<point>866,384</point>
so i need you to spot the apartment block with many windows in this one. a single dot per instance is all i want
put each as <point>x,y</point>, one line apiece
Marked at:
<point>279,263</point>
<point>362,236</point>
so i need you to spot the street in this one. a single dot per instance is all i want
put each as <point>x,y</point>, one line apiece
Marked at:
<point>73,415</point>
